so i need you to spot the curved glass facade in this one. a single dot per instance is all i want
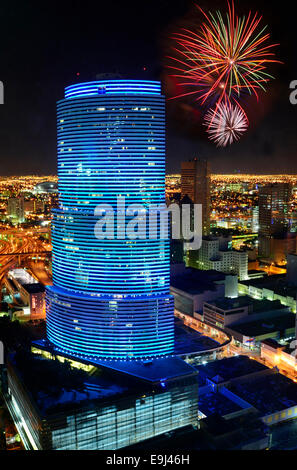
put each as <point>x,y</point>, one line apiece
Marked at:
<point>83,263</point>
<point>110,297</point>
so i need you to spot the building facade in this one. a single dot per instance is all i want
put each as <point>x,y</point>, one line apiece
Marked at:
<point>217,254</point>
<point>195,183</point>
<point>224,312</point>
<point>273,214</point>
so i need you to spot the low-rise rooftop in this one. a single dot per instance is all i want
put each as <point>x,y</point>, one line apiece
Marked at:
<point>229,368</point>
<point>56,386</point>
<point>225,303</point>
<point>22,276</point>
<point>272,343</point>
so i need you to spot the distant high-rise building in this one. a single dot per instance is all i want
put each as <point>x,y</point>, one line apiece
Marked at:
<point>281,246</point>
<point>195,183</point>
<point>47,187</point>
<point>15,209</point>
<point>273,214</point>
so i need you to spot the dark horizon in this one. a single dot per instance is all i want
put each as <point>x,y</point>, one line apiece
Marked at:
<point>45,47</point>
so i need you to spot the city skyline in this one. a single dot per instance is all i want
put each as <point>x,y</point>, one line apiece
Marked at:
<point>231,307</point>
<point>111,144</point>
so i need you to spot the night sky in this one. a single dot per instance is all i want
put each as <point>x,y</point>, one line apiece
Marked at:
<point>45,44</point>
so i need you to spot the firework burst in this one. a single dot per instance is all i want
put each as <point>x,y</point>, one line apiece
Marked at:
<point>225,124</point>
<point>223,57</point>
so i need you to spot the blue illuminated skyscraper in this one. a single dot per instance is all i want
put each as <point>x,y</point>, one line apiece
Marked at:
<point>110,298</point>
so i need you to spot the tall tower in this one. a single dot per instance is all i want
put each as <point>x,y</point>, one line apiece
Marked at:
<point>273,214</point>
<point>195,183</point>
<point>15,209</point>
<point>110,298</point>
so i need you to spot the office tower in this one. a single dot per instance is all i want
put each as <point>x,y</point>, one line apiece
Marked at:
<point>195,183</point>
<point>31,294</point>
<point>281,246</point>
<point>15,209</point>
<point>112,410</point>
<point>273,214</point>
<point>110,298</point>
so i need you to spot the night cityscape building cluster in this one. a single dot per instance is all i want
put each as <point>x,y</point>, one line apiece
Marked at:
<point>116,337</point>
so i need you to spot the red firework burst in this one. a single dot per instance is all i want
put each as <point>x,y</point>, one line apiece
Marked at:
<point>223,56</point>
